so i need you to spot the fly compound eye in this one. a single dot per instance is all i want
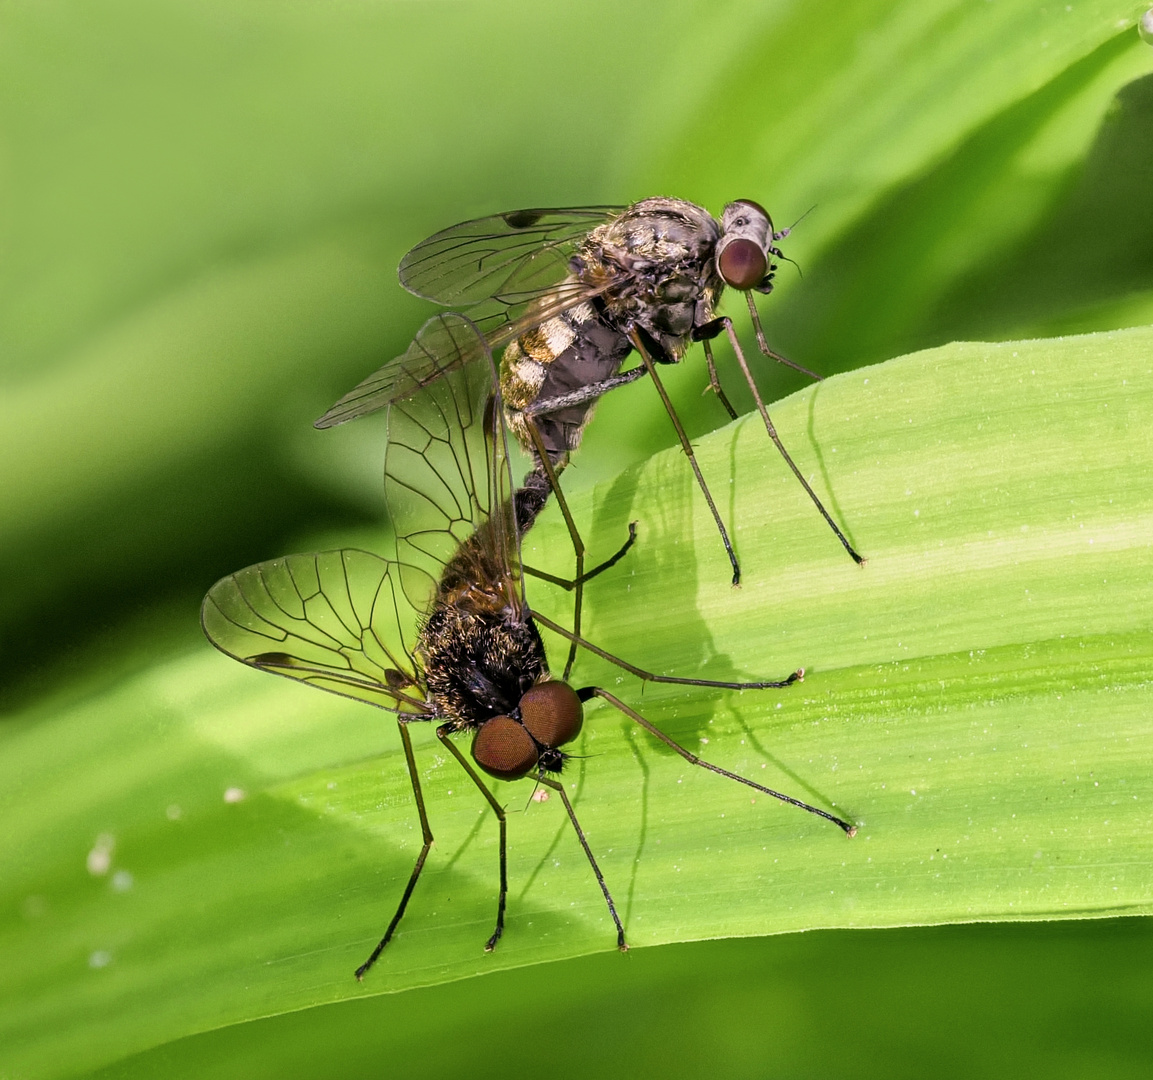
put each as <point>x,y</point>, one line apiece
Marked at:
<point>742,264</point>
<point>504,749</point>
<point>552,712</point>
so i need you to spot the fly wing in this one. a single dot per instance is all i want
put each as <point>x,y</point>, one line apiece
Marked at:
<point>432,352</point>
<point>512,269</point>
<point>447,473</point>
<point>507,257</point>
<point>337,620</point>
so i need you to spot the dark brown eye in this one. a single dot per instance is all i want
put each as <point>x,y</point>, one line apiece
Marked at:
<point>742,264</point>
<point>552,712</point>
<point>504,749</point>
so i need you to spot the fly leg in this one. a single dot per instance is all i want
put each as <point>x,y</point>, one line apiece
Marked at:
<point>574,536</point>
<point>442,734</point>
<point>583,394</point>
<point>544,407</point>
<point>595,691</point>
<point>568,584</point>
<point>712,329</point>
<point>406,741</point>
<point>772,354</point>
<point>577,583</point>
<point>559,789</point>
<point>648,676</point>
<point>714,382</point>
<point>639,345</point>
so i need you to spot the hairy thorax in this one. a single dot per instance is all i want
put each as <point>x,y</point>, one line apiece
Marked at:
<point>478,664</point>
<point>653,269</point>
<point>661,251</point>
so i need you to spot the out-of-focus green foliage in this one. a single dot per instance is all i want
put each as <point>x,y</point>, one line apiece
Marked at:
<point>203,207</point>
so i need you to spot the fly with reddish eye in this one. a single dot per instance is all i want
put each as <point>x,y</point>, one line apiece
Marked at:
<point>442,633</point>
<point>570,295</point>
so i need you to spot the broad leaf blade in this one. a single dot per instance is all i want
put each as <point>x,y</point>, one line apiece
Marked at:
<point>978,699</point>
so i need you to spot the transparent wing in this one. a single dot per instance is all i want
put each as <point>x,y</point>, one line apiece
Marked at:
<point>512,268</point>
<point>508,257</point>
<point>447,475</point>
<point>337,620</point>
<point>434,352</point>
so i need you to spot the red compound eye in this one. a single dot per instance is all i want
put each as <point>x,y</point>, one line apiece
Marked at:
<point>504,749</point>
<point>742,264</point>
<point>552,713</point>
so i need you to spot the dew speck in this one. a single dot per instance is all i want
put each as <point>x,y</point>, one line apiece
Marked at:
<point>173,813</point>
<point>100,857</point>
<point>234,794</point>
<point>1145,27</point>
<point>122,881</point>
<point>99,959</point>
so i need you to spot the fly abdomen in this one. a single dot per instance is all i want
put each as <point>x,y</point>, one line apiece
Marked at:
<point>560,361</point>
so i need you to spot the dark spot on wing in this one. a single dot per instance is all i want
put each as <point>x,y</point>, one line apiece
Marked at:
<point>273,659</point>
<point>522,219</point>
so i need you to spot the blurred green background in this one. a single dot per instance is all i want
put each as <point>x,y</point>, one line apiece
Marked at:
<point>204,205</point>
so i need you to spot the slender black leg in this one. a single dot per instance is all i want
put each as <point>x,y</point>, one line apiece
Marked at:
<point>559,788</point>
<point>635,338</point>
<point>406,741</point>
<point>568,584</point>
<point>584,394</point>
<point>714,382</point>
<point>648,676</point>
<point>497,809</point>
<point>574,536</point>
<point>616,703</point>
<point>859,560</point>
<point>763,345</point>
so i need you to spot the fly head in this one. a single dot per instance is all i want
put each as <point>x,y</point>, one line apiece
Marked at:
<point>745,246</point>
<point>549,715</point>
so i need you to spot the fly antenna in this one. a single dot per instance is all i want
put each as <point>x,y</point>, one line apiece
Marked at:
<point>785,232</point>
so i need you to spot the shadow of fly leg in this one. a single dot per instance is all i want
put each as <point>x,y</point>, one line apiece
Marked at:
<point>595,691</point>
<point>726,324</point>
<point>559,789</point>
<point>406,741</point>
<point>442,734</point>
<point>675,680</point>
<point>643,350</point>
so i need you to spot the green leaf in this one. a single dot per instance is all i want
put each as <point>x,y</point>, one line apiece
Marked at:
<point>976,699</point>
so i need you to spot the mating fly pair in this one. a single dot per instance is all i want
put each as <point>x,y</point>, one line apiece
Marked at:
<point>571,294</point>
<point>443,633</point>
